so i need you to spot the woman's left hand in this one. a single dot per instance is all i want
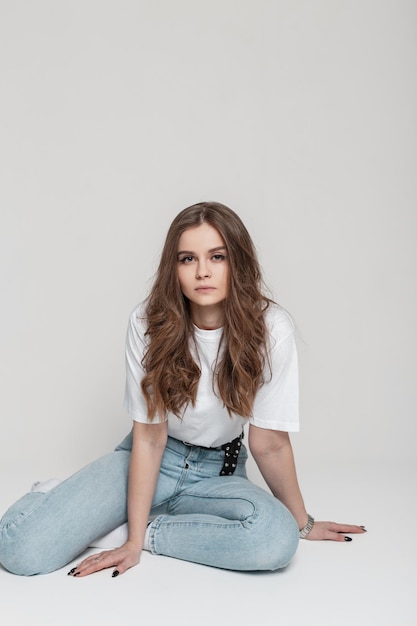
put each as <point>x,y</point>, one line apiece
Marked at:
<point>331,531</point>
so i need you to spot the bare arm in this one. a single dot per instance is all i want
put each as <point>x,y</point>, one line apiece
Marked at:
<point>273,454</point>
<point>149,441</point>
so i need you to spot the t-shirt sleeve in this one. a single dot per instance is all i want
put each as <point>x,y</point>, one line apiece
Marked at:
<point>134,401</point>
<point>276,403</point>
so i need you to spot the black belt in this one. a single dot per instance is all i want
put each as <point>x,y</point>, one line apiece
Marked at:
<point>231,454</point>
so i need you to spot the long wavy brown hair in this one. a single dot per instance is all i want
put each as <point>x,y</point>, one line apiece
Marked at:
<point>172,374</point>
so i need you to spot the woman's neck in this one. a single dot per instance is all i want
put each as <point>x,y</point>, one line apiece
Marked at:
<point>207,318</point>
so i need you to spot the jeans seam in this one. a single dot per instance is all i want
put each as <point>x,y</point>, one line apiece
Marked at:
<point>14,523</point>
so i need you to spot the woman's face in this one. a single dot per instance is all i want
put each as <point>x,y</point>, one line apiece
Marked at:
<point>203,269</point>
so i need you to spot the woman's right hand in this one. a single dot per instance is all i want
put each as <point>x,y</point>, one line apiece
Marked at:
<point>121,559</point>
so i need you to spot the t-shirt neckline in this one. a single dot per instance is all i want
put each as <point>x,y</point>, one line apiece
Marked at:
<point>208,335</point>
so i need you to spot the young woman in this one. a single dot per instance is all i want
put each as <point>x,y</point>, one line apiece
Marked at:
<point>206,354</point>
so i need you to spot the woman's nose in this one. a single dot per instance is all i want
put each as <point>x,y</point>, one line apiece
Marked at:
<point>202,271</point>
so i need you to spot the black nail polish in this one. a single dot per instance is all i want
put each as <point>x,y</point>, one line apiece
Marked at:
<point>363,528</point>
<point>348,538</point>
<point>115,573</point>
<point>77,573</point>
<point>71,571</point>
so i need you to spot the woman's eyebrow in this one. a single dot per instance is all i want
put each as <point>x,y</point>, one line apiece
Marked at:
<point>190,252</point>
<point>217,248</point>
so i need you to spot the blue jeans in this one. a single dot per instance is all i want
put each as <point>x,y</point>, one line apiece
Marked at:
<point>198,516</point>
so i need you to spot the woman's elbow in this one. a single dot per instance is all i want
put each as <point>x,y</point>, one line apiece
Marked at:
<point>264,442</point>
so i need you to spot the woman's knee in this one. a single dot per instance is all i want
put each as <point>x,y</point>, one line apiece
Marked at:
<point>276,536</point>
<point>17,557</point>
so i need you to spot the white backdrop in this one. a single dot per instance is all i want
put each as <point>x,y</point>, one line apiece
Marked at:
<point>117,114</point>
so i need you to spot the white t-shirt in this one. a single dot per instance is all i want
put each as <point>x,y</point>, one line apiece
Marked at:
<point>208,423</point>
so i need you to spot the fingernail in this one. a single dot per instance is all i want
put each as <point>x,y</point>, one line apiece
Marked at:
<point>363,528</point>
<point>77,573</point>
<point>115,573</point>
<point>348,538</point>
<point>71,571</point>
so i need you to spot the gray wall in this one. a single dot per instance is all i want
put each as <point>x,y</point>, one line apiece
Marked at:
<point>117,114</point>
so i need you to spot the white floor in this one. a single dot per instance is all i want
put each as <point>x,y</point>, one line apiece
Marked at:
<point>369,581</point>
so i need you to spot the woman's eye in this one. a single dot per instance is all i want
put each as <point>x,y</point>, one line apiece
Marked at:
<point>186,259</point>
<point>218,257</point>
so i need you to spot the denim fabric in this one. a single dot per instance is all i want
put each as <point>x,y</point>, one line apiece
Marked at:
<point>225,522</point>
